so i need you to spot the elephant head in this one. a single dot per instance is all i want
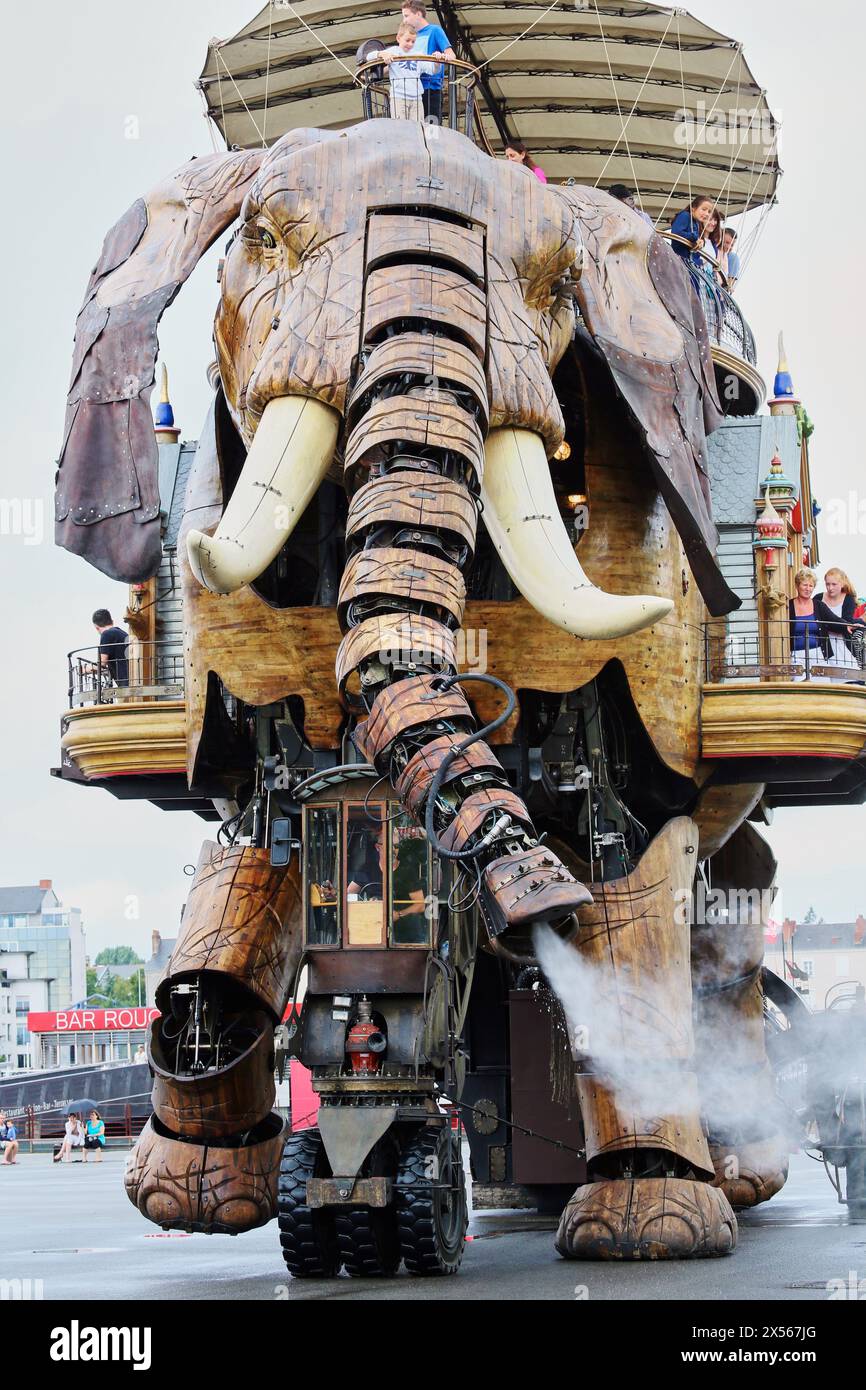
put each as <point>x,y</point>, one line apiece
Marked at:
<point>396,302</point>
<point>381,255</point>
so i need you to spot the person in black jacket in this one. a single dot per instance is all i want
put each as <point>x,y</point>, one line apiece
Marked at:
<point>840,598</point>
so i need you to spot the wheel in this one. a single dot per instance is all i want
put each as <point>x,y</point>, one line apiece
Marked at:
<point>430,1202</point>
<point>855,1184</point>
<point>367,1241</point>
<point>307,1237</point>
<point>367,1236</point>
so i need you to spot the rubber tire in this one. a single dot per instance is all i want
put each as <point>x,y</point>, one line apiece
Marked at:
<point>432,1237</point>
<point>367,1241</point>
<point>307,1237</point>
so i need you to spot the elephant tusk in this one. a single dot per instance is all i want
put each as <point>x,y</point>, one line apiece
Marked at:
<point>523,520</point>
<point>289,458</point>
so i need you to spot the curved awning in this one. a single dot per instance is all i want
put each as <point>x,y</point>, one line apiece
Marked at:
<point>601,91</point>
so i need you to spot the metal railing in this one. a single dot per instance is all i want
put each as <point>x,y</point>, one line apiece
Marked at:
<point>148,671</point>
<point>726,323</point>
<point>459,106</point>
<point>744,648</point>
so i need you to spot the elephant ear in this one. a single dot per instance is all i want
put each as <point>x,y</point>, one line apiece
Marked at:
<point>107,490</point>
<point>638,306</point>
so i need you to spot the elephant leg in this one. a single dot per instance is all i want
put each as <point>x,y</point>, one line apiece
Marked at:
<point>748,1145</point>
<point>209,1158</point>
<point>629,1002</point>
<point>414,459</point>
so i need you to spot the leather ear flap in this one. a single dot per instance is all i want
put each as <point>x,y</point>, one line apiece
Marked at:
<point>107,494</point>
<point>638,306</point>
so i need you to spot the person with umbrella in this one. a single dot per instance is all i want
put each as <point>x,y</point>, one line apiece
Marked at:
<point>94,1137</point>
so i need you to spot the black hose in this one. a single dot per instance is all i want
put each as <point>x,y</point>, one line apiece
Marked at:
<point>445,683</point>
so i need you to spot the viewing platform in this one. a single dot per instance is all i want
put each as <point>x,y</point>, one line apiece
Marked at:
<point>791,719</point>
<point>129,738</point>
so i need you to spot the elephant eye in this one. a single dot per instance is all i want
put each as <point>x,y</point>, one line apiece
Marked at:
<point>267,239</point>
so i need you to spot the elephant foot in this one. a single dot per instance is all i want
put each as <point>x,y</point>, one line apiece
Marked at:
<point>222,1188</point>
<point>646,1219</point>
<point>749,1174</point>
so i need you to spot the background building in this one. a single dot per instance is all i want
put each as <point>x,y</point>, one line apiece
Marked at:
<point>155,968</point>
<point>42,965</point>
<point>19,994</point>
<point>816,956</point>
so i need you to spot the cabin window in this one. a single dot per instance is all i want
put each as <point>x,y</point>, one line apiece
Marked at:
<point>365,876</point>
<point>410,884</point>
<point>323,876</point>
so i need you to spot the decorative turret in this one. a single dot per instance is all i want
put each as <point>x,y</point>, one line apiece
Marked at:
<point>771,528</point>
<point>782,492</point>
<point>164,427</point>
<point>783,401</point>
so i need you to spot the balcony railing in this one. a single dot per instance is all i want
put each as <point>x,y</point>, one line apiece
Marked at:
<point>727,326</point>
<point>459,106</point>
<point>747,649</point>
<point>148,671</point>
<point>725,321</point>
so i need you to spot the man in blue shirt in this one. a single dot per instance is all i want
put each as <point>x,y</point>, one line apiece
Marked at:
<point>429,39</point>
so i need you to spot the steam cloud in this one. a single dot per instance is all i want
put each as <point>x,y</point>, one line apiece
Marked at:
<point>627,1037</point>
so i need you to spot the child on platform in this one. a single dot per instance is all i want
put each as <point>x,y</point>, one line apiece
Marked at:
<point>405,73</point>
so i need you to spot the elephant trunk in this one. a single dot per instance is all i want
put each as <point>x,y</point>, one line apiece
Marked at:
<point>414,462</point>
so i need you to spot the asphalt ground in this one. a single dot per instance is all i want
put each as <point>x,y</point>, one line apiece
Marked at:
<point>72,1227</point>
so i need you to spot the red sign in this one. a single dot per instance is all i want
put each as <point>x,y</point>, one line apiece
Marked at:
<point>91,1020</point>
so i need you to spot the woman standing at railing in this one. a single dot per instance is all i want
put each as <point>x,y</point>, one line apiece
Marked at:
<point>714,246</point>
<point>840,598</point>
<point>690,225</point>
<point>809,617</point>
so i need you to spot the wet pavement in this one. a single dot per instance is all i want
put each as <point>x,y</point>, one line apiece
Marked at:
<point>73,1228</point>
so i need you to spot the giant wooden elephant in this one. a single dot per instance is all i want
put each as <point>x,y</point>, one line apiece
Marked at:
<point>405,315</point>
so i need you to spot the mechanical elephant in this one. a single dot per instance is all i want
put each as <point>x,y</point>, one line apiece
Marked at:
<point>402,314</point>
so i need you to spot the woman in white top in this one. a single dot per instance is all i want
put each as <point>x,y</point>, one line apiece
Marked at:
<point>73,1138</point>
<point>840,597</point>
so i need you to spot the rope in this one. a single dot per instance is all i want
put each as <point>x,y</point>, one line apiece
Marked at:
<point>210,123</point>
<point>527,30</point>
<point>683,86</point>
<point>267,72</point>
<point>286,6</point>
<point>636,100</point>
<point>691,149</point>
<point>618,106</point>
<point>241,95</point>
<point>750,245</point>
<point>736,155</point>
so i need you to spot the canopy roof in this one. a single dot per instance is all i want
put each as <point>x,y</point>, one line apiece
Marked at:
<point>595,88</point>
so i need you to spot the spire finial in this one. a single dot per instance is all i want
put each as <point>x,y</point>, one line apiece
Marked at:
<point>784,402</point>
<point>163,422</point>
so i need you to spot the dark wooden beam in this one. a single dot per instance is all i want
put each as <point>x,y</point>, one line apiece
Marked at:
<point>462,42</point>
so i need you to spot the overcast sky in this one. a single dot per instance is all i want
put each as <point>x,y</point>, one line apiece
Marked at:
<point>78,79</point>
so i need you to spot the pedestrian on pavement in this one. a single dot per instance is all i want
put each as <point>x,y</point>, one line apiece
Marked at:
<point>8,1141</point>
<point>94,1138</point>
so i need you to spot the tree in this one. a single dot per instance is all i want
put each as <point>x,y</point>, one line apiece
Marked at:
<point>118,955</point>
<point>116,990</point>
<point>811,916</point>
